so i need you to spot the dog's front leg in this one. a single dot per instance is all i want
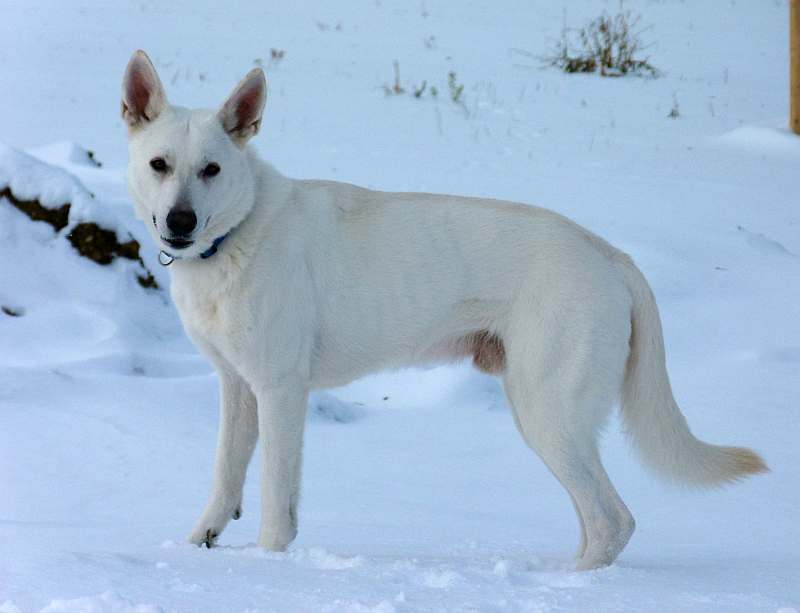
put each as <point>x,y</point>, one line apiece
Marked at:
<point>238,432</point>
<point>281,419</point>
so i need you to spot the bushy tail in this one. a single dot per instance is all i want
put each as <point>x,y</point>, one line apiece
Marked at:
<point>651,417</point>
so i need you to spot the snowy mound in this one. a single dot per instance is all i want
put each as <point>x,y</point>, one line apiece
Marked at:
<point>47,193</point>
<point>69,152</point>
<point>31,179</point>
<point>61,307</point>
<point>763,141</point>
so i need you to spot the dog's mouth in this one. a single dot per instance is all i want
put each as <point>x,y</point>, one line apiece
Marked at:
<point>177,243</point>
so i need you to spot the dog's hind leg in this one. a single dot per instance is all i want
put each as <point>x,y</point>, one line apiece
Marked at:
<point>238,433</point>
<point>565,367</point>
<point>570,452</point>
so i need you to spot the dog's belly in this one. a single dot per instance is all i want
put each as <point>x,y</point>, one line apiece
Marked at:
<point>380,335</point>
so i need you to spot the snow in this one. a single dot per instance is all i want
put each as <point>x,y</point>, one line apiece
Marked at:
<point>108,602</point>
<point>30,179</point>
<point>418,494</point>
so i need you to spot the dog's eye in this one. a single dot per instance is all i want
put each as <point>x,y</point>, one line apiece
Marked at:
<point>211,170</point>
<point>158,164</point>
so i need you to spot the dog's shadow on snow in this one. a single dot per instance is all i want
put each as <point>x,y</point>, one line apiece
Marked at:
<point>325,407</point>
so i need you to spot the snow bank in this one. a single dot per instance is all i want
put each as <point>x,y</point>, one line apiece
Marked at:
<point>31,179</point>
<point>46,192</point>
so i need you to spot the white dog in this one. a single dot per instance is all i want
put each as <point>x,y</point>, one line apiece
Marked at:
<point>288,286</point>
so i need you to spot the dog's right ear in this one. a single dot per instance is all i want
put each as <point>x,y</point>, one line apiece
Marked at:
<point>143,96</point>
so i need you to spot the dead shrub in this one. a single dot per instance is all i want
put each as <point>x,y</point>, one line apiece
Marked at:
<point>609,44</point>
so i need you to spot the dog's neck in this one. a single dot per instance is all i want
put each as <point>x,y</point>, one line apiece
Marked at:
<point>165,259</point>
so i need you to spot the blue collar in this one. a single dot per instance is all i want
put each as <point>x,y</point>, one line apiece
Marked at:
<point>165,259</point>
<point>213,248</point>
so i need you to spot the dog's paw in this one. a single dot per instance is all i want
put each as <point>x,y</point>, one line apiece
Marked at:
<point>207,537</point>
<point>212,522</point>
<point>210,540</point>
<point>277,540</point>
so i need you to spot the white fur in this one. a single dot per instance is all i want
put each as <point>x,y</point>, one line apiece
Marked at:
<point>319,283</point>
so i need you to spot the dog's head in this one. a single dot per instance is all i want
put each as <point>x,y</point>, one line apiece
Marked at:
<point>189,171</point>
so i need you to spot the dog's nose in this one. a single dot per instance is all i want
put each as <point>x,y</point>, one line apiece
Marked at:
<point>181,222</point>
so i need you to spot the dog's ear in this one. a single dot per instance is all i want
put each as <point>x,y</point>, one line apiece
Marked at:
<point>241,113</point>
<point>143,96</point>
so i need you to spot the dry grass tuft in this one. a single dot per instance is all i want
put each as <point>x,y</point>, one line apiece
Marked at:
<point>608,44</point>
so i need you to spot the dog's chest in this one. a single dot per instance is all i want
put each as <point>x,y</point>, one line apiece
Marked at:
<point>207,308</point>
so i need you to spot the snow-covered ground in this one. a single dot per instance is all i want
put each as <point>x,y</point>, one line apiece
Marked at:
<point>419,495</point>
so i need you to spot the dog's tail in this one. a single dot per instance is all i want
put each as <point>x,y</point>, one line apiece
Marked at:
<point>650,414</point>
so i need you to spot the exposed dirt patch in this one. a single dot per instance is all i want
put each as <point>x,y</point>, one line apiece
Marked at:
<point>89,239</point>
<point>56,217</point>
<point>101,246</point>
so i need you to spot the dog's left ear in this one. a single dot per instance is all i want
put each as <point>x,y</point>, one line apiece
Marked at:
<point>241,113</point>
